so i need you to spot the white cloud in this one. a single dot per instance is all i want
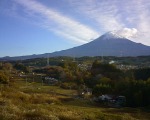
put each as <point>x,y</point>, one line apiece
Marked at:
<point>110,15</point>
<point>104,13</point>
<point>139,12</point>
<point>57,22</point>
<point>127,32</point>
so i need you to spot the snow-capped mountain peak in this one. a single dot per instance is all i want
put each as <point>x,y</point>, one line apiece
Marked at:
<point>112,34</point>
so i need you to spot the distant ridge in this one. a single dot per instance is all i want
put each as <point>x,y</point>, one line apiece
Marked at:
<point>109,44</point>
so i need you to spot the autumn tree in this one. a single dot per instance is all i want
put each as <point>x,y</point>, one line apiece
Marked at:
<point>3,78</point>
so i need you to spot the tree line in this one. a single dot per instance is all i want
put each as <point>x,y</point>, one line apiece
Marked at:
<point>101,77</point>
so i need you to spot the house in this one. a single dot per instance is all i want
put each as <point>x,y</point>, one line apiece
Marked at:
<point>120,101</point>
<point>50,80</point>
<point>112,100</point>
<point>107,98</point>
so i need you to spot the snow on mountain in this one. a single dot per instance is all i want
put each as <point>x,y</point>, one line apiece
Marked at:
<point>109,44</point>
<point>112,35</point>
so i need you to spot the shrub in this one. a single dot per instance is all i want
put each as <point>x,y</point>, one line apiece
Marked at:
<point>67,85</point>
<point>3,78</point>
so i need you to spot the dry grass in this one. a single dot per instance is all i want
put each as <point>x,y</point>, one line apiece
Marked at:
<point>27,103</point>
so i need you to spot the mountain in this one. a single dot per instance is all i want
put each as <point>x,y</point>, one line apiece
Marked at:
<point>109,44</point>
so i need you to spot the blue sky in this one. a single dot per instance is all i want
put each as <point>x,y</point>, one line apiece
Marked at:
<point>44,26</point>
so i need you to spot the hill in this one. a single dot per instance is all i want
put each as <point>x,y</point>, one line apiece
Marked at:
<point>109,44</point>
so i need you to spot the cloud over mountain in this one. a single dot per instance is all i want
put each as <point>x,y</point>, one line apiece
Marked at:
<point>110,15</point>
<point>109,44</point>
<point>70,23</point>
<point>127,32</point>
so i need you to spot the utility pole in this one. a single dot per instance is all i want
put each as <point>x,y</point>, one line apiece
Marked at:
<point>48,60</point>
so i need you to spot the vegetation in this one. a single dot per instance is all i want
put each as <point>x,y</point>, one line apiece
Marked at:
<point>38,102</point>
<point>3,78</point>
<point>25,96</point>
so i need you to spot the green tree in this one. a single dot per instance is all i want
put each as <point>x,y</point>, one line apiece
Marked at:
<point>106,70</point>
<point>21,67</point>
<point>142,74</point>
<point>100,89</point>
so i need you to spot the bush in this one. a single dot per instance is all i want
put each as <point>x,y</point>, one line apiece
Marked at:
<point>3,78</point>
<point>67,85</point>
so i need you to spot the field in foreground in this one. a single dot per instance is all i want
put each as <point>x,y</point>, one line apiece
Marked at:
<point>31,101</point>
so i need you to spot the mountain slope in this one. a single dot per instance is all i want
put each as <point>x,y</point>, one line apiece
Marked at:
<point>109,44</point>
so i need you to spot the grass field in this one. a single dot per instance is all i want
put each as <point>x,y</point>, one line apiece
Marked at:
<point>32,101</point>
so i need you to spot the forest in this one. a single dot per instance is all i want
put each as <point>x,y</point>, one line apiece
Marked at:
<point>98,75</point>
<point>65,88</point>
